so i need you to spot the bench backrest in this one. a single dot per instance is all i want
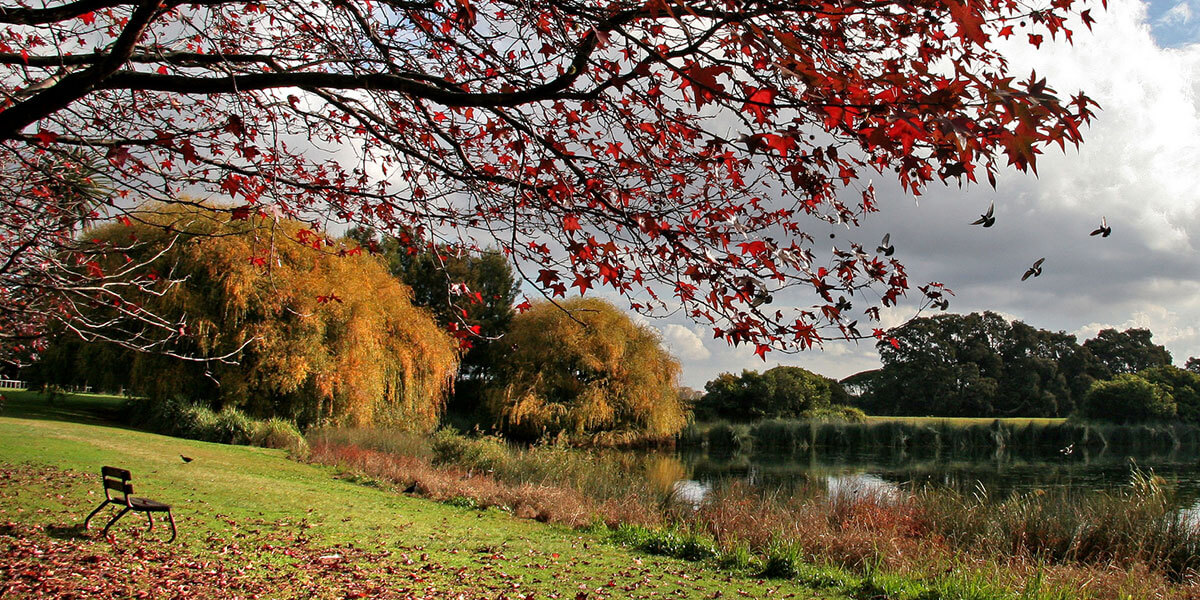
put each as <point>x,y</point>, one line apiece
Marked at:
<point>117,480</point>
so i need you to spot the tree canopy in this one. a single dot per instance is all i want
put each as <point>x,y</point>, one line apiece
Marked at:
<point>979,365</point>
<point>471,294</point>
<point>781,392</point>
<point>1129,351</point>
<point>581,368</point>
<point>317,333</point>
<point>679,153</point>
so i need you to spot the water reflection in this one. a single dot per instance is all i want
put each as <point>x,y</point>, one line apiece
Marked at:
<point>998,473</point>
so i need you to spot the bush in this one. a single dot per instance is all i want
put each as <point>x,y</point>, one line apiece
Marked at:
<point>234,427</point>
<point>181,418</point>
<point>1128,397</point>
<point>452,448</point>
<point>280,434</point>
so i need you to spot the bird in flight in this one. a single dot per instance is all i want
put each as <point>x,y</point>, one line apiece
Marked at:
<point>986,219</point>
<point>885,246</point>
<point>1035,270</point>
<point>1103,230</point>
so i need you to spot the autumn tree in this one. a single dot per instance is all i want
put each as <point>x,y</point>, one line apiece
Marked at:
<point>680,153</point>
<point>471,293</point>
<point>581,368</point>
<point>318,332</point>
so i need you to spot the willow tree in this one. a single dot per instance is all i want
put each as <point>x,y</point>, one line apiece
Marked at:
<point>584,367</point>
<point>316,331</point>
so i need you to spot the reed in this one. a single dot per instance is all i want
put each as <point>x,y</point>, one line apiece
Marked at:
<point>862,542</point>
<point>795,436</point>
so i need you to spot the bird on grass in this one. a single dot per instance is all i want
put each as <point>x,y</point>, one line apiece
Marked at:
<point>1103,230</point>
<point>986,219</point>
<point>885,247</point>
<point>1035,270</point>
<point>186,459</point>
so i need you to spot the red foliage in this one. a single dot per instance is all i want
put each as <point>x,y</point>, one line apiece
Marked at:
<point>630,144</point>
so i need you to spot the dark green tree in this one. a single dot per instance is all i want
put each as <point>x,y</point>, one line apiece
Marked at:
<point>977,365</point>
<point>1128,398</point>
<point>779,393</point>
<point>1193,364</point>
<point>1128,351</point>
<point>1182,385</point>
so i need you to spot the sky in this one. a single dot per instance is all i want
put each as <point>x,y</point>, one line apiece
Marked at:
<point>1136,168</point>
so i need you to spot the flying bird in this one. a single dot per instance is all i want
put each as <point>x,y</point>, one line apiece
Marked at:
<point>885,246</point>
<point>986,219</point>
<point>186,459</point>
<point>1035,270</point>
<point>1103,230</point>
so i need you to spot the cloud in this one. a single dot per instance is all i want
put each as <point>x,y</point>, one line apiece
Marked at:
<point>1136,168</point>
<point>684,343</point>
<point>1180,14</point>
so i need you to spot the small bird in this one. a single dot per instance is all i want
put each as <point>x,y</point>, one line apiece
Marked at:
<point>885,247</point>
<point>1035,270</point>
<point>1103,230</point>
<point>986,219</point>
<point>186,459</point>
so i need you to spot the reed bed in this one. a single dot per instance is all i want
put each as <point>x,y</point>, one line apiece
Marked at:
<point>1103,545</point>
<point>794,436</point>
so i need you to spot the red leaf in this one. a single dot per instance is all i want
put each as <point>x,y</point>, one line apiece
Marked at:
<point>761,350</point>
<point>46,137</point>
<point>571,223</point>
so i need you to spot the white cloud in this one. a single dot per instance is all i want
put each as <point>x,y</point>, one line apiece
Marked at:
<point>684,343</point>
<point>1180,14</point>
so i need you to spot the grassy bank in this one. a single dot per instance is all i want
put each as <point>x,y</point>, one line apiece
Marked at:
<point>1096,545</point>
<point>929,433</point>
<point>253,522</point>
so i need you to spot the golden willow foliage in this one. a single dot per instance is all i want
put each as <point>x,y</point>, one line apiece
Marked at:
<point>598,371</point>
<point>333,338</point>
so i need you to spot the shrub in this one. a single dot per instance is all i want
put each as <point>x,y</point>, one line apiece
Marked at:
<point>452,448</point>
<point>1127,397</point>
<point>280,434</point>
<point>234,427</point>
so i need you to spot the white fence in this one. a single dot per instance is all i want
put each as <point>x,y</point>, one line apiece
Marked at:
<point>11,384</point>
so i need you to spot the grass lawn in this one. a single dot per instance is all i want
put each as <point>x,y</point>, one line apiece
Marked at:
<point>253,523</point>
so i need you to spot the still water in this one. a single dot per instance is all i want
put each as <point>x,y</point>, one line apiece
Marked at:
<point>996,474</point>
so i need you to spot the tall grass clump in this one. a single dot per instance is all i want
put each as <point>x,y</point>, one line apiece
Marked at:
<point>180,418</point>
<point>1136,525</point>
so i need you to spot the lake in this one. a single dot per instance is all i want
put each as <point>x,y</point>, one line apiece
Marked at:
<point>997,473</point>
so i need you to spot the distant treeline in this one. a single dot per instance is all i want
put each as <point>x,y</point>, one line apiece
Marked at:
<point>982,365</point>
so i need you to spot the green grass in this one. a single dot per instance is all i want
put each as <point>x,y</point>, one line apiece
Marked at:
<point>266,520</point>
<point>78,408</point>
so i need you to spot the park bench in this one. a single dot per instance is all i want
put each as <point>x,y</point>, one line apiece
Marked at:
<point>117,480</point>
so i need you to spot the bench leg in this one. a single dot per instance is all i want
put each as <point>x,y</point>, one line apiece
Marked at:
<point>114,520</point>
<point>150,518</point>
<point>93,513</point>
<point>171,518</point>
